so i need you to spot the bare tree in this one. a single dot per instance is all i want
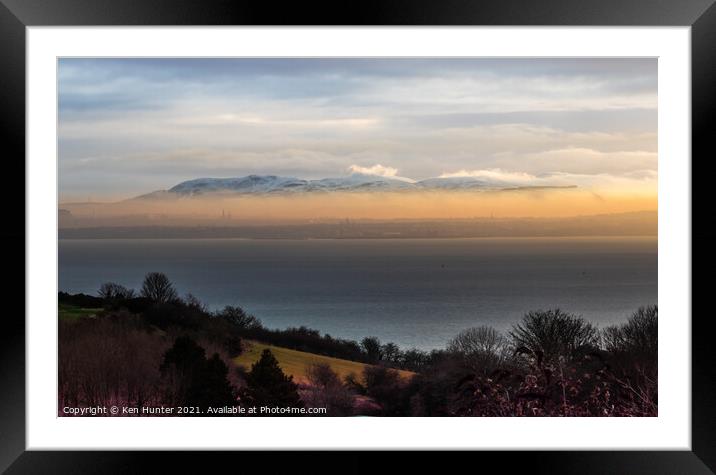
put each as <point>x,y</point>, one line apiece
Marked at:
<point>639,335</point>
<point>482,348</point>
<point>113,291</point>
<point>551,334</point>
<point>158,288</point>
<point>482,339</point>
<point>238,317</point>
<point>633,349</point>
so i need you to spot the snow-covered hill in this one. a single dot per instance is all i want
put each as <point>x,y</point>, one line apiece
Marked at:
<point>261,184</point>
<point>272,184</point>
<point>353,182</point>
<point>246,184</point>
<point>458,183</point>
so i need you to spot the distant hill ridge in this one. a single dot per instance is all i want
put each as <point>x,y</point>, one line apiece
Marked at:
<point>272,184</point>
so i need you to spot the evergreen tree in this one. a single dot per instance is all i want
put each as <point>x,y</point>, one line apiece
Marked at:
<point>210,386</point>
<point>196,381</point>
<point>184,356</point>
<point>267,385</point>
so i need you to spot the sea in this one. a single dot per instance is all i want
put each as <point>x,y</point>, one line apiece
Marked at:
<point>417,293</point>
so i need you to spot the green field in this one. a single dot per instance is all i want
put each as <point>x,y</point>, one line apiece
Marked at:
<point>295,363</point>
<point>70,313</point>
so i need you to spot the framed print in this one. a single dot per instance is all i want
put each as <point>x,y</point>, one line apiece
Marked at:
<point>414,228</point>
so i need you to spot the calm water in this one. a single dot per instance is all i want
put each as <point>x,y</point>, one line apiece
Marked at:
<point>414,292</point>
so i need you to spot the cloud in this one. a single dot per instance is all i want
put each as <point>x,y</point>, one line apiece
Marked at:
<point>378,170</point>
<point>635,182</point>
<point>493,174</point>
<point>583,160</point>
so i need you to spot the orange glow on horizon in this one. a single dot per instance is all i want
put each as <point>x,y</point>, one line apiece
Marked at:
<point>544,203</point>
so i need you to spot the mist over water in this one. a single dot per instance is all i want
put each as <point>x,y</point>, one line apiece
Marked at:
<point>414,292</point>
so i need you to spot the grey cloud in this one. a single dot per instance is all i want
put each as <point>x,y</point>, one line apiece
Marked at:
<point>148,122</point>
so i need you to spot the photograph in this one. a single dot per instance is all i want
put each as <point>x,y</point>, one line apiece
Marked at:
<point>357,236</point>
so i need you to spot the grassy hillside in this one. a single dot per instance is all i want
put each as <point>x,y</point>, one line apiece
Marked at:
<point>292,362</point>
<point>70,313</point>
<point>295,363</point>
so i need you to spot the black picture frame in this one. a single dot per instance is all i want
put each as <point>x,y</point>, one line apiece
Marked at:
<point>700,15</point>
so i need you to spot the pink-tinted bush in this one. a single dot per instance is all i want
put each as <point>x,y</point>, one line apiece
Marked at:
<point>108,360</point>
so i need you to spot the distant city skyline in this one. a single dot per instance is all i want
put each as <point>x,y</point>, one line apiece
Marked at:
<point>130,126</point>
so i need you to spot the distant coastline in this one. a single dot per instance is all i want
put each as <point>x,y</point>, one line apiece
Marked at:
<point>623,224</point>
<point>174,233</point>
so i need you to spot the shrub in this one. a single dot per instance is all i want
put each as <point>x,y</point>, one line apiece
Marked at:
<point>326,390</point>
<point>385,386</point>
<point>434,390</point>
<point>109,361</point>
<point>80,300</point>
<point>233,346</point>
<point>353,383</point>
<point>194,303</point>
<point>414,360</point>
<point>175,314</point>
<point>135,304</point>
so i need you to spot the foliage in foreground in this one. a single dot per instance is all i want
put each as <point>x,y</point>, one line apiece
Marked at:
<point>152,350</point>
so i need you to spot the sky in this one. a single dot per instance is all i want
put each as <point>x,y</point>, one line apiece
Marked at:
<point>131,126</point>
